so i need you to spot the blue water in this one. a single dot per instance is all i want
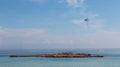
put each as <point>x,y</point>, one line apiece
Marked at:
<point>111,59</point>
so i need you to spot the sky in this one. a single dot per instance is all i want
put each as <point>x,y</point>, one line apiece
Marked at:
<point>59,24</point>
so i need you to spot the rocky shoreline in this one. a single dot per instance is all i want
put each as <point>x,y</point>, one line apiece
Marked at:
<point>60,55</point>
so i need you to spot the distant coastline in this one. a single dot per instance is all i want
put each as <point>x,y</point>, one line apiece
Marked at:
<point>60,55</point>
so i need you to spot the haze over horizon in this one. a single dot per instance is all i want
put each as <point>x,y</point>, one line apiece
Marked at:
<point>48,24</point>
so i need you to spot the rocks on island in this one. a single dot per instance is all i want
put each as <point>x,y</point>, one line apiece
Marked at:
<point>60,55</point>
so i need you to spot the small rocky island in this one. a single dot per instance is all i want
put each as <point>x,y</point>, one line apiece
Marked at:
<point>60,55</point>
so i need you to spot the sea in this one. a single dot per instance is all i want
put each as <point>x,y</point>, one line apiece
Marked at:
<point>111,58</point>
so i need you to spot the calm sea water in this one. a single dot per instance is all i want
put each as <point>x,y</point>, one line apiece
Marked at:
<point>111,59</point>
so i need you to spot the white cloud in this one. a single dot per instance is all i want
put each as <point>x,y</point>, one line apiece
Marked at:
<point>1,31</point>
<point>75,3</point>
<point>22,32</point>
<point>72,2</point>
<point>39,38</point>
<point>82,1</point>
<point>78,21</point>
<point>93,23</point>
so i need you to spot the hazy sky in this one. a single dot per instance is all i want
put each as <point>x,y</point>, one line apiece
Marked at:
<point>42,24</point>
